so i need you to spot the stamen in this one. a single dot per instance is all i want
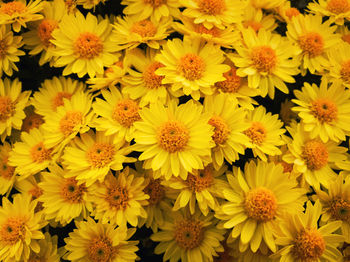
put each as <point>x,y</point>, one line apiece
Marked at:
<point>173,136</point>
<point>126,112</point>
<point>312,44</point>
<point>191,66</point>
<point>315,154</point>
<point>188,233</point>
<point>88,46</point>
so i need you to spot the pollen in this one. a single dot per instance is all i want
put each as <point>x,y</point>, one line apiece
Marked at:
<point>309,245</point>
<point>155,190</point>
<point>7,108</point>
<point>201,29</point>
<point>100,155</point>
<point>155,3</point>
<point>345,71</point>
<point>70,121</point>
<point>340,209</point>
<point>13,8</point>
<point>264,58</point>
<point>292,12</point>
<point>150,79</point>
<point>6,171</point>
<point>260,204</point>
<point>45,30</point>
<point>100,249</point>
<point>256,26</point>
<point>144,28</point>
<point>232,83</point>
<point>191,66</point>
<point>221,130</point>
<point>173,136</point>
<point>117,197</point>
<point>312,44</point>
<point>315,155</point>
<point>324,110</point>
<point>12,231</point>
<point>39,153</point>
<point>71,192</point>
<point>189,233</point>
<point>126,112</point>
<point>3,48</point>
<point>203,180</point>
<point>88,46</point>
<point>256,133</point>
<point>212,7</point>
<point>338,6</point>
<point>31,121</point>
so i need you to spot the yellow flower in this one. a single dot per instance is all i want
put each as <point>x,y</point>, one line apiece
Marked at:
<point>286,12</point>
<point>7,172</point>
<point>89,4</point>
<point>339,64</point>
<point>266,4</point>
<point>30,187</point>
<point>256,19</point>
<point>336,10</point>
<point>48,250</point>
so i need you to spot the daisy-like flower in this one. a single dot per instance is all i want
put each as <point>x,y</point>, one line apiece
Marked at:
<point>265,58</point>
<point>256,19</point>
<point>89,4</point>
<point>255,200</point>
<point>30,187</point>
<point>32,119</point>
<point>18,13</point>
<point>265,133</point>
<point>12,103</point>
<point>344,33</point>
<point>336,10</point>
<point>92,241</point>
<point>266,4</point>
<point>7,172</point>
<point>286,12</point>
<point>20,228</point>
<point>174,140</point>
<point>312,39</point>
<point>91,156</point>
<point>301,239</point>
<point>191,66</point>
<point>324,110</point>
<point>339,64</point>
<point>188,238</point>
<point>83,45</point>
<point>48,250</point>
<point>120,200</point>
<point>229,123</point>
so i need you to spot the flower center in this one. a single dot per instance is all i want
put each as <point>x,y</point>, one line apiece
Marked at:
<point>45,29</point>
<point>32,121</point>
<point>264,58</point>
<point>71,191</point>
<point>155,190</point>
<point>6,171</point>
<point>88,46</point>
<point>191,66</point>
<point>232,82</point>
<point>100,249</point>
<point>340,209</point>
<point>155,3</point>
<point>12,231</point>
<point>346,38</point>
<point>100,155</point>
<point>291,12</point>
<point>126,112</point>
<point>39,153</point>
<point>214,31</point>
<point>58,99</point>
<point>70,121</point>
<point>12,8</point>
<point>338,6</point>
<point>3,48</point>
<point>309,245</point>
<point>204,179</point>
<point>312,44</point>
<point>150,79</point>
<point>315,154</point>
<point>188,233</point>
<point>212,7</point>
<point>221,129</point>
<point>345,71</point>
<point>253,24</point>
<point>144,28</point>
<point>173,136</point>
<point>118,197</point>
<point>256,133</point>
<point>7,108</point>
<point>324,110</point>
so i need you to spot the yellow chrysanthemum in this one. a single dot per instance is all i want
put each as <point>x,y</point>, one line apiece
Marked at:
<point>286,12</point>
<point>344,33</point>
<point>339,64</point>
<point>266,4</point>
<point>256,19</point>
<point>336,10</point>
<point>83,45</point>
<point>191,66</point>
<point>7,172</point>
<point>265,58</point>
<point>48,250</point>
<point>20,228</point>
<point>256,199</point>
<point>91,242</point>
<point>30,187</point>
<point>174,140</point>
<point>89,4</point>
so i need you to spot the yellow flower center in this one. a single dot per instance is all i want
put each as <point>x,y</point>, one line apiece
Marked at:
<point>45,29</point>
<point>291,12</point>
<point>144,28</point>
<point>260,204</point>
<point>315,154</point>
<point>7,108</point>
<point>3,48</point>
<point>58,99</point>
<point>191,66</point>
<point>6,171</point>
<point>70,121</point>
<point>100,155</point>
<point>150,79</point>
<point>173,136</point>
<point>155,3</point>
<point>346,38</point>
<point>232,82</point>
<point>39,153</point>
<point>88,46</point>
<point>31,121</point>
<point>155,190</point>
<point>12,231</point>
<point>214,31</point>
<point>345,71</point>
<point>309,245</point>
<point>340,209</point>
<point>212,7</point>
<point>324,110</point>
<point>71,192</point>
<point>117,197</point>
<point>189,233</point>
<point>221,129</point>
<point>126,112</point>
<point>264,58</point>
<point>12,8</point>
<point>100,249</point>
<point>338,6</point>
<point>312,44</point>
<point>256,132</point>
<point>203,180</point>
<point>256,26</point>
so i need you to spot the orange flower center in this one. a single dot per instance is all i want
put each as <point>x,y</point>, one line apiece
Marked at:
<point>173,136</point>
<point>155,190</point>
<point>6,171</point>
<point>3,48</point>
<point>126,112</point>
<point>256,26</point>
<point>256,133</point>
<point>189,233</point>
<point>315,154</point>
<point>345,71</point>
<point>309,245</point>
<point>214,31</point>
<point>191,66</point>
<point>338,6</point>
<point>212,7</point>
<point>346,38</point>
<point>117,197</point>
<point>88,46</point>
<point>12,8</point>
<point>324,110</point>
<point>150,79</point>
<point>45,29</point>
<point>264,58</point>
<point>291,12</point>
<point>39,153</point>
<point>221,129</point>
<point>203,180</point>
<point>31,121</point>
<point>155,3</point>
<point>144,28</point>
<point>260,204</point>
<point>312,44</point>
<point>340,209</point>
<point>100,249</point>
<point>70,121</point>
<point>58,99</point>
<point>12,231</point>
<point>7,108</point>
<point>71,192</point>
<point>100,155</point>
<point>232,82</point>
